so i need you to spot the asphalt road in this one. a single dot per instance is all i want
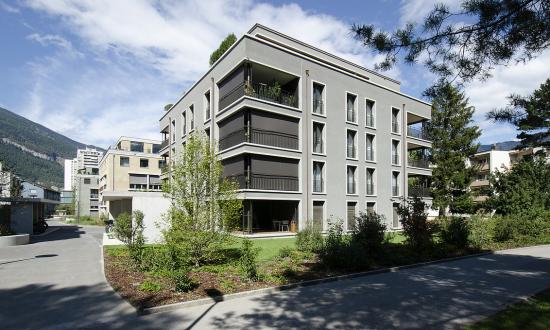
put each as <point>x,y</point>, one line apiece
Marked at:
<point>57,283</point>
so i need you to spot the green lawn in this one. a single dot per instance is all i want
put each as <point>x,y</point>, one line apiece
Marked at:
<point>532,315</point>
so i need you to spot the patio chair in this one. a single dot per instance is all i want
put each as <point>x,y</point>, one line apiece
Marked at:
<point>284,226</point>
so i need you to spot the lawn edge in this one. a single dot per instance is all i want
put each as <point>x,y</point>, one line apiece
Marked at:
<point>275,289</point>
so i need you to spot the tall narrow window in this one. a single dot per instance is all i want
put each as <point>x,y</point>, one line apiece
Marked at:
<point>318,214</point>
<point>173,131</point>
<point>369,111</point>
<point>395,120</point>
<point>351,150</point>
<point>318,146</point>
<point>318,106</point>
<point>351,215</point>
<point>351,180</point>
<point>207,105</point>
<point>350,111</point>
<point>192,117</point>
<point>370,181</point>
<point>318,177</point>
<point>395,221</point>
<point>395,152</point>
<point>183,123</point>
<point>370,147</point>
<point>371,207</point>
<point>395,183</point>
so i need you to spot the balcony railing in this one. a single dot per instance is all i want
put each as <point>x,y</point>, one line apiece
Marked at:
<point>419,133</point>
<point>318,106</point>
<point>266,182</point>
<point>318,185</point>
<point>259,136</point>
<point>164,144</point>
<point>421,163</point>
<point>351,115</point>
<point>351,152</point>
<point>395,190</point>
<point>394,127</point>
<point>370,120</point>
<point>395,159</point>
<point>420,191</point>
<point>370,189</point>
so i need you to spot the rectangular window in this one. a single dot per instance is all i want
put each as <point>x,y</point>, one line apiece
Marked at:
<point>351,180</point>
<point>351,114</point>
<point>173,131</point>
<point>207,105</point>
<point>156,148</point>
<point>318,145</point>
<point>395,219</point>
<point>370,147</point>
<point>191,117</point>
<point>395,120</point>
<point>369,112</point>
<point>183,123</point>
<point>318,214</point>
<point>86,181</point>
<point>318,184</point>
<point>371,207</point>
<point>136,146</point>
<point>370,181</point>
<point>351,215</point>
<point>395,183</point>
<point>144,163</point>
<point>318,96</point>
<point>395,152</point>
<point>351,151</point>
<point>124,161</point>
<point>162,163</point>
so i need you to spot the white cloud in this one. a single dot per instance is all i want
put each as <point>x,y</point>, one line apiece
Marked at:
<point>414,11</point>
<point>145,53</point>
<point>50,39</point>
<point>8,8</point>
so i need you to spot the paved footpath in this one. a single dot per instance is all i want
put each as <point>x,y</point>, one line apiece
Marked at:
<point>57,283</point>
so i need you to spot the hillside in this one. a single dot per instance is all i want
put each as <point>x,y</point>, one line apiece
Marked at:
<point>32,151</point>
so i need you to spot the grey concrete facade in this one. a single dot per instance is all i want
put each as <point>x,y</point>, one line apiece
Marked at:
<point>242,82</point>
<point>87,195</point>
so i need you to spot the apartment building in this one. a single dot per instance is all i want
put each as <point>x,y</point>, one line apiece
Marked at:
<point>86,194</point>
<point>498,157</point>
<point>86,160</point>
<point>305,134</point>
<point>130,180</point>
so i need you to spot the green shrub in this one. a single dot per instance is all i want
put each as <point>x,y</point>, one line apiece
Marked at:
<point>416,227</point>
<point>309,239</point>
<point>183,282</point>
<point>454,232</point>
<point>515,227</point>
<point>88,220</point>
<point>369,231</point>
<point>480,231</point>
<point>335,252</point>
<point>130,232</point>
<point>150,286</point>
<point>248,260</point>
<point>285,252</point>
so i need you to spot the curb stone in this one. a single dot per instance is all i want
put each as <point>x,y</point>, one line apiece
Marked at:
<point>271,290</point>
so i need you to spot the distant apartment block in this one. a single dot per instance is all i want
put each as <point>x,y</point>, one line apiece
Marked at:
<point>87,195</point>
<point>305,134</point>
<point>130,180</point>
<point>498,157</point>
<point>86,161</point>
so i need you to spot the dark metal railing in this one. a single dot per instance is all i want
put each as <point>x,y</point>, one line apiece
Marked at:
<point>318,185</point>
<point>394,127</point>
<point>421,163</point>
<point>419,133</point>
<point>420,191</point>
<point>395,190</point>
<point>395,159</point>
<point>260,91</point>
<point>370,120</point>
<point>266,182</point>
<point>164,144</point>
<point>318,106</point>
<point>259,136</point>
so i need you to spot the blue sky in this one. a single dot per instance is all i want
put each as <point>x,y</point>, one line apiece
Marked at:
<point>97,69</point>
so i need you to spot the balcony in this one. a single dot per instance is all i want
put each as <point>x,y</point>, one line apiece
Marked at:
<point>420,191</point>
<point>420,163</point>
<point>265,182</point>
<point>268,84</point>
<point>259,136</point>
<point>164,144</point>
<point>419,133</point>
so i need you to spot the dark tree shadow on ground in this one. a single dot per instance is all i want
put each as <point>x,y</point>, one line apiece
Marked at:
<point>438,296</point>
